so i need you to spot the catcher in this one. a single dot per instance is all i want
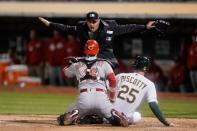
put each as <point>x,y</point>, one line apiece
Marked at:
<point>91,73</point>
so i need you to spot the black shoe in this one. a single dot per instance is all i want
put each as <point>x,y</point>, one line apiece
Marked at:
<point>120,118</point>
<point>60,119</point>
<point>71,118</point>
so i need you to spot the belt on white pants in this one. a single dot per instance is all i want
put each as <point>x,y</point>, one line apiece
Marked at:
<point>86,90</point>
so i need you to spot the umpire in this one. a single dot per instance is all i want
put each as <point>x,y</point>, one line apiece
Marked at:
<point>102,31</point>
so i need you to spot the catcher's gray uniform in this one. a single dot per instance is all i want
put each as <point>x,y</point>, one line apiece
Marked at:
<point>93,96</point>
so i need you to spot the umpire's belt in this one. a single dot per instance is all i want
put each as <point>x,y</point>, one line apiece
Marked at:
<point>86,90</point>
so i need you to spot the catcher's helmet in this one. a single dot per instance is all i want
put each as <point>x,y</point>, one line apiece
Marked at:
<point>91,48</point>
<point>141,63</point>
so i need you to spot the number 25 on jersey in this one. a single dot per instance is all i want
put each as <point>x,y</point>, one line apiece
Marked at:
<point>127,94</point>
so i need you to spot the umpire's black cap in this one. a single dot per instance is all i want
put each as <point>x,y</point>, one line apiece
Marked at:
<point>92,16</point>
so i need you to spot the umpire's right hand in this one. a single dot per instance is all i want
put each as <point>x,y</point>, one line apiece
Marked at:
<point>44,21</point>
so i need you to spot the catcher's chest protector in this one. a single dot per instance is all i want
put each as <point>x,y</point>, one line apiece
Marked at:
<point>89,64</point>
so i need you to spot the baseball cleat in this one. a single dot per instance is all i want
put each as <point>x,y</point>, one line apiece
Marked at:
<point>60,119</point>
<point>71,118</point>
<point>121,118</point>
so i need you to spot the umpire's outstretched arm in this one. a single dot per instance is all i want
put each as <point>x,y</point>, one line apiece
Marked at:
<point>57,26</point>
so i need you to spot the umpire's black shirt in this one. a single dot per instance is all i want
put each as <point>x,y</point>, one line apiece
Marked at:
<point>104,35</point>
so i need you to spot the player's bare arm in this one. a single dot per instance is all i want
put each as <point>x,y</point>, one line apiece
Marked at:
<point>44,21</point>
<point>150,25</point>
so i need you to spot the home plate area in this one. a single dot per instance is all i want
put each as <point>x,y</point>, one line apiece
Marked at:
<point>48,123</point>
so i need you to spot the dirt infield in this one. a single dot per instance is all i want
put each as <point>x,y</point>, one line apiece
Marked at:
<point>48,123</point>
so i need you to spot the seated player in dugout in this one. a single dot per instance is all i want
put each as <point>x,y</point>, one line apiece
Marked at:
<point>133,88</point>
<point>92,73</point>
<point>103,31</point>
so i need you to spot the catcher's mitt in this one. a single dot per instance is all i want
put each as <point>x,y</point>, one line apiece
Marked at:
<point>71,60</point>
<point>161,27</point>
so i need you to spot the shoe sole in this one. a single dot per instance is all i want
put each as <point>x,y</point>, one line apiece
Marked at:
<point>71,119</point>
<point>60,120</point>
<point>123,121</point>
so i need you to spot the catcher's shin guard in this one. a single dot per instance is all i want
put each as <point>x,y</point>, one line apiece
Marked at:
<point>68,118</point>
<point>118,119</point>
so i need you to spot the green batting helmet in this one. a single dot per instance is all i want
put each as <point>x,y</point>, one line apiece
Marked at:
<point>141,63</point>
